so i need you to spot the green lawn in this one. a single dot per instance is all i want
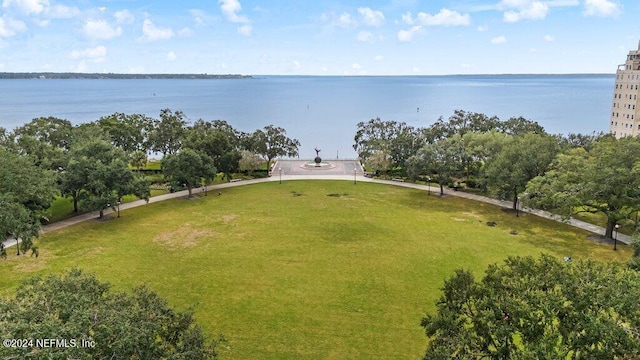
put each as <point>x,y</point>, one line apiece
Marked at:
<point>62,207</point>
<point>305,269</point>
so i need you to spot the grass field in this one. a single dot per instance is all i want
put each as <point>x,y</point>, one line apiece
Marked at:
<point>305,269</point>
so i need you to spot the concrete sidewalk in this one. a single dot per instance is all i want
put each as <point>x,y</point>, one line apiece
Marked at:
<point>625,239</point>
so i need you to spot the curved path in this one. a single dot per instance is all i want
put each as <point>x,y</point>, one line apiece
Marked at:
<point>625,239</point>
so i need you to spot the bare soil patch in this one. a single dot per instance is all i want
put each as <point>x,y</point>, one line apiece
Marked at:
<point>184,237</point>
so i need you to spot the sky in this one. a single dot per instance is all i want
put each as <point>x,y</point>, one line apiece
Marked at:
<point>318,37</point>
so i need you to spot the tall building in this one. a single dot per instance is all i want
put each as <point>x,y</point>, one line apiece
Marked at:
<point>625,112</point>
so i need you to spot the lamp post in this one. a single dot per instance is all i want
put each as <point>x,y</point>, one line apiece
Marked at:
<point>354,176</point>
<point>118,205</point>
<point>429,185</point>
<point>517,206</point>
<point>280,171</point>
<point>615,239</point>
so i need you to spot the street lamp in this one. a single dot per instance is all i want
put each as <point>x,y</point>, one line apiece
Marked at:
<point>517,206</point>
<point>280,171</point>
<point>118,205</point>
<point>429,184</point>
<point>615,239</point>
<point>354,176</point>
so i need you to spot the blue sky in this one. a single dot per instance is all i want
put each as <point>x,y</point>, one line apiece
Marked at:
<point>318,37</point>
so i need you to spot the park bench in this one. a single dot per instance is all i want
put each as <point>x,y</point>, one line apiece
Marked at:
<point>398,180</point>
<point>235,180</point>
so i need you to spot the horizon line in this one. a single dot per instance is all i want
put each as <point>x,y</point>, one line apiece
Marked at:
<point>318,75</point>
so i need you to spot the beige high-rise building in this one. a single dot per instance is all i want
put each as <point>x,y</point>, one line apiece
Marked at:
<point>625,112</point>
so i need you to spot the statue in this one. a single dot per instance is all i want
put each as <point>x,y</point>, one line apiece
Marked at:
<point>317,160</point>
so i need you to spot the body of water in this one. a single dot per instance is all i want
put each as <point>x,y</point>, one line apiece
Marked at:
<point>321,112</point>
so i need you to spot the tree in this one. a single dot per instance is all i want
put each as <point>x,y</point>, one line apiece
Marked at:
<point>128,132</point>
<point>461,122</point>
<point>634,262</point>
<point>187,168</point>
<point>138,159</point>
<point>521,126</point>
<point>102,325</point>
<point>219,141</point>
<point>604,179</point>
<point>537,309</point>
<point>272,141</point>
<point>378,162</point>
<point>521,159</point>
<point>97,176</point>
<point>16,220</point>
<point>168,132</point>
<point>249,161</point>
<point>442,160</point>
<point>45,139</point>
<point>26,193</point>
<point>397,140</point>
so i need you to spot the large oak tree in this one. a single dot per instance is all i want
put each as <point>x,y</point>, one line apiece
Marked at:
<point>604,179</point>
<point>538,309</point>
<point>78,307</point>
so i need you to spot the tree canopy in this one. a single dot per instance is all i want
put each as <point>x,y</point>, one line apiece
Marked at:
<point>26,192</point>
<point>78,307</point>
<point>538,309</point>
<point>272,141</point>
<point>604,179</point>
<point>188,168</point>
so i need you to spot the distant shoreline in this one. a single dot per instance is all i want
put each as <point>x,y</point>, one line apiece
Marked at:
<point>54,75</point>
<point>90,76</point>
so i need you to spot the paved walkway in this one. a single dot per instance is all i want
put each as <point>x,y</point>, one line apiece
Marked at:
<point>625,239</point>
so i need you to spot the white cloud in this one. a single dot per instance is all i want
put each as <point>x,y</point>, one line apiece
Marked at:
<point>407,35</point>
<point>483,28</point>
<point>296,64</point>
<point>62,12</point>
<point>407,18</point>
<point>231,10</point>
<point>518,10</point>
<point>499,40</point>
<point>560,3</point>
<point>378,58</point>
<point>345,20</point>
<point>548,38</point>
<point>185,32</point>
<point>356,66</point>
<point>82,67</point>
<point>124,17</point>
<point>365,36</point>
<point>602,8</point>
<point>150,32</point>
<point>200,17</point>
<point>100,29</point>
<point>245,30</point>
<point>171,56</point>
<point>27,6</point>
<point>10,27</point>
<point>415,69</point>
<point>91,53</point>
<point>445,17</point>
<point>371,17</point>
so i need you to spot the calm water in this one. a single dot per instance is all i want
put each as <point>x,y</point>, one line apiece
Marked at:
<point>321,111</point>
